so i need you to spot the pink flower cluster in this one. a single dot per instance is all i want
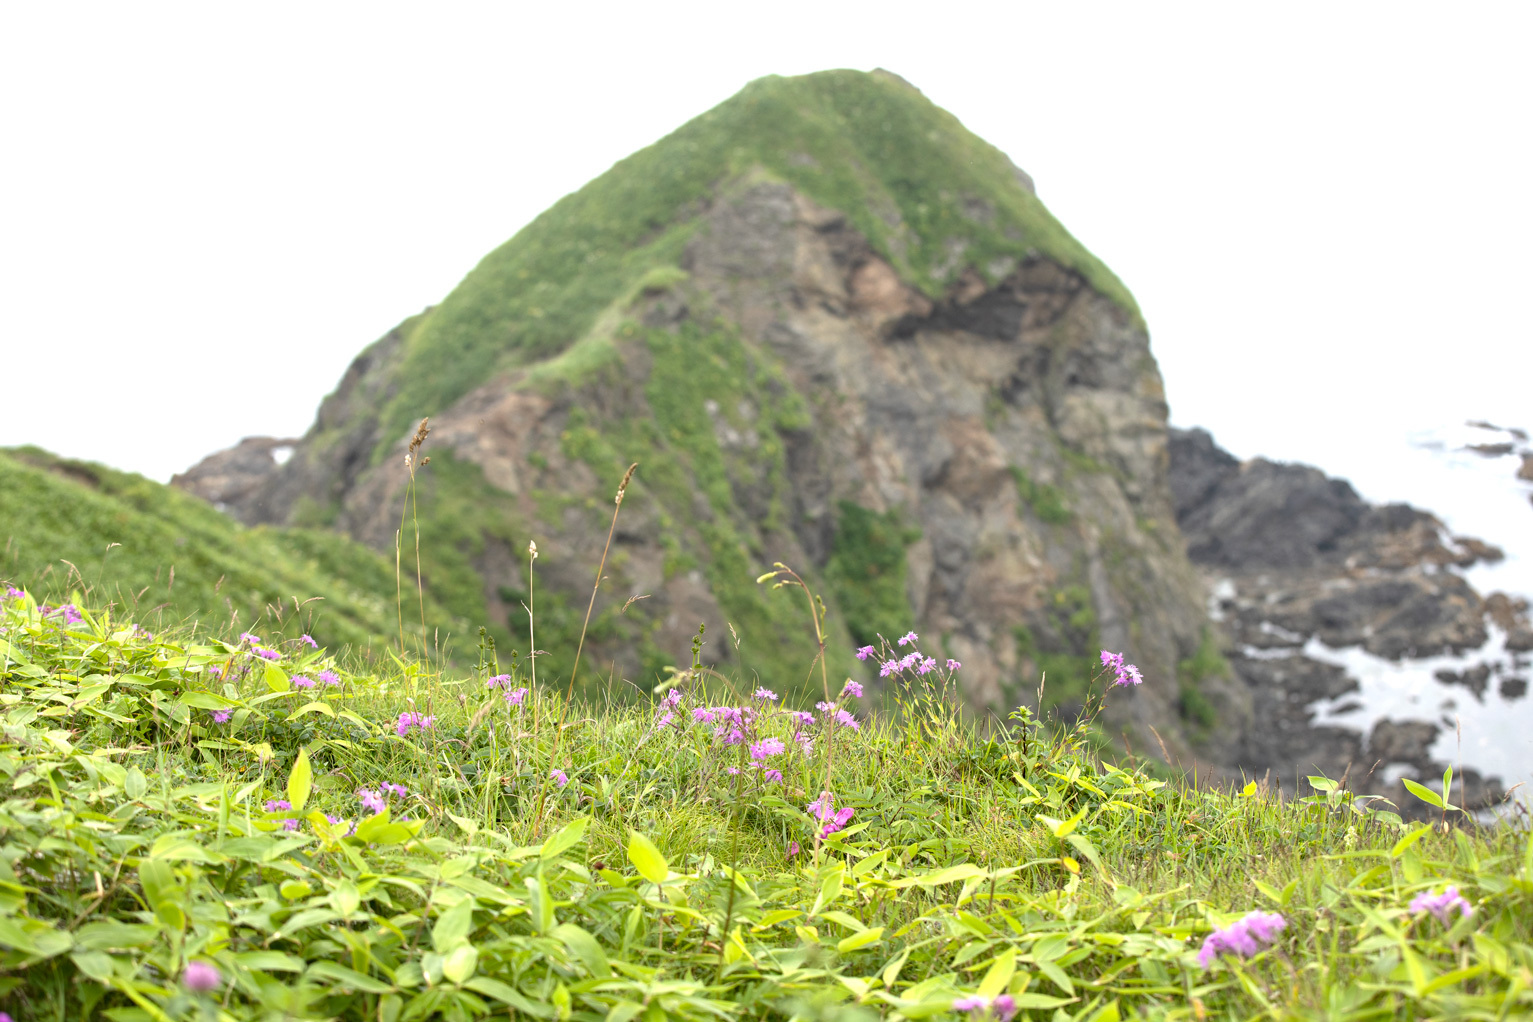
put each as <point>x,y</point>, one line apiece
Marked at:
<point>831,819</point>
<point>1002,1006</point>
<point>375,800</point>
<point>1442,905</point>
<point>410,720</point>
<point>1126,674</point>
<point>70,612</point>
<point>1244,937</point>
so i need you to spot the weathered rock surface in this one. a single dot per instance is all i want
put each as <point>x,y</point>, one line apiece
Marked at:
<point>932,410</point>
<point>234,480</point>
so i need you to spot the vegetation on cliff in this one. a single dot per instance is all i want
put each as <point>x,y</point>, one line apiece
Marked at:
<point>167,558</point>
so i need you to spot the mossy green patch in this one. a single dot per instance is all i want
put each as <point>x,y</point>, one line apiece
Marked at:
<point>1061,646</point>
<point>866,572</point>
<point>1208,662</point>
<point>1047,502</point>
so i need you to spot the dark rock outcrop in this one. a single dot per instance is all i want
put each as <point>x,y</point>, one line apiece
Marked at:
<point>1292,556</point>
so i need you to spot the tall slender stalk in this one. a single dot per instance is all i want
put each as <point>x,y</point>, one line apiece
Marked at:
<point>601,567</point>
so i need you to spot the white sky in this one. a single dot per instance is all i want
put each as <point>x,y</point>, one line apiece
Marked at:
<point>207,210</point>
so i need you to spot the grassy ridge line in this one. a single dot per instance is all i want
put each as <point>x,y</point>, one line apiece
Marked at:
<point>906,173</point>
<point>226,577</point>
<point>647,880</point>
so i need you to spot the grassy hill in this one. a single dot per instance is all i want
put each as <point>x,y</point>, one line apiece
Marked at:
<point>166,558</point>
<point>191,832</point>
<point>906,172</point>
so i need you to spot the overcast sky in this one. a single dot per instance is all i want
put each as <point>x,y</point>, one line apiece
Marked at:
<point>206,211</point>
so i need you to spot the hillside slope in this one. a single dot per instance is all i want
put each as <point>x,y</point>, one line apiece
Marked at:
<point>834,329</point>
<point>165,558</point>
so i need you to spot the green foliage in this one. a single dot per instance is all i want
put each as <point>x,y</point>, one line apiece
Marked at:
<point>1062,647</point>
<point>866,572</point>
<point>1207,662</point>
<point>141,840</point>
<point>167,557</point>
<point>906,173</point>
<point>1047,502</point>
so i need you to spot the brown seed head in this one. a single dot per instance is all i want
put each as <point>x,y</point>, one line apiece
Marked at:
<point>623,486</point>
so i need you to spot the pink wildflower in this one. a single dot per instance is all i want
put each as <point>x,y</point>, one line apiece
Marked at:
<point>770,747</point>
<point>927,666</point>
<point>410,720</point>
<point>371,800</point>
<point>1244,937</point>
<point>559,777</point>
<point>201,977</point>
<point>1442,905</point>
<point>222,716</point>
<point>329,677</point>
<point>516,696</point>
<point>310,640</point>
<point>299,681</point>
<point>864,652</point>
<point>766,695</point>
<point>953,665</point>
<point>277,805</point>
<point>852,688</point>
<point>1003,1006</point>
<point>906,639</point>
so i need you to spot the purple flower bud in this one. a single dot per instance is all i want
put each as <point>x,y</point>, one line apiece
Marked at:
<point>559,777</point>
<point>310,640</point>
<point>953,665</point>
<point>201,977</point>
<point>852,688</point>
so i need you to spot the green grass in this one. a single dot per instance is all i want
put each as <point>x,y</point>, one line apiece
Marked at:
<point>167,558</point>
<point>135,839</point>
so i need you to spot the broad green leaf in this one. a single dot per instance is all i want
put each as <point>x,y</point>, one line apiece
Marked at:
<point>585,947</point>
<point>460,962</point>
<point>95,964</point>
<point>567,838</point>
<point>468,826</point>
<point>135,784</point>
<point>1422,792</point>
<point>646,858</point>
<point>299,781</point>
<point>277,679</point>
<point>830,889</point>
<point>345,899</point>
<point>205,701</point>
<point>453,926</point>
<point>1062,828</point>
<point>344,977</point>
<point>1408,840</point>
<point>1000,973</point>
<point>314,707</point>
<point>857,941</point>
<point>1320,784</point>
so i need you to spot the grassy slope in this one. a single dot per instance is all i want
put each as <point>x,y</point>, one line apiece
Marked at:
<point>135,837</point>
<point>54,511</point>
<point>867,144</point>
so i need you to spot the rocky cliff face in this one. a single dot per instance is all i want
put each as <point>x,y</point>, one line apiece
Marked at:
<point>977,451</point>
<point>1297,566</point>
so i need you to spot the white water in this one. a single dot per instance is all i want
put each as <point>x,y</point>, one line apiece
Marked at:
<point>1475,496</point>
